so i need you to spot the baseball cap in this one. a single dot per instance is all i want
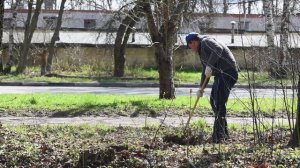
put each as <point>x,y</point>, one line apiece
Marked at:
<point>191,36</point>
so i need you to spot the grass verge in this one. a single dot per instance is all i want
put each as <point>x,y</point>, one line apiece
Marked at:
<point>86,74</point>
<point>41,104</point>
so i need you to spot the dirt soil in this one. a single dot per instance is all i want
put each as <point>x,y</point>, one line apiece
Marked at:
<point>41,139</point>
<point>159,146</point>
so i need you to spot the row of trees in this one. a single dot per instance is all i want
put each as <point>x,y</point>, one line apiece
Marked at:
<point>160,16</point>
<point>165,20</point>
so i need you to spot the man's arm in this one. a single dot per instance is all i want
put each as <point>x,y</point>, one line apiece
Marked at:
<point>203,83</point>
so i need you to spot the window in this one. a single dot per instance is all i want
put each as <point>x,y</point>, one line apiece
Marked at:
<point>90,23</point>
<point>21,4</point>
<point>204,25</point>
<point>50,21</point>
<point>244,26</point>
<point>277,27</point>
<point>49,4</point>
<point>7,23</point>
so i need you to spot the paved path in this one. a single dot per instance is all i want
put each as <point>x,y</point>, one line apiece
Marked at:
<point>126,121</point>
<point>236,92</point>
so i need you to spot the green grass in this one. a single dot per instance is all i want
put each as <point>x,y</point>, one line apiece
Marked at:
<point>193,76</point>
<point>79,104</point>
<point>88,74</point>
<point>262,127</point>
<point>26,78</point>
<point>261,78</point>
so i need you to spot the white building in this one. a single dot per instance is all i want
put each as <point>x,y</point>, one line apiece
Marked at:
<point>94,30</point>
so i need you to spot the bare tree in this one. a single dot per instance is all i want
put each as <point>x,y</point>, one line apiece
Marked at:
<point>244,6</point>
<point>210,6</point>
<point>11,44</point>
<point>124,30</point>
<point>163,20</point>
<point>1,32</point>
<point>277,62</point>
<point>54,38</point>
<point>276,8</point>
<point>206,6</point>
<point>269,25</point>
<point>109,3</point>
<point>225,6</point>
<point>249,6</point>
<point>295,138</point>
<point>293,6</point>
<point>284,40</point>
<point>30,26</point>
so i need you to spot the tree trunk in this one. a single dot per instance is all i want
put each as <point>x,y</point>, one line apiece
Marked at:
<point>225,6</point>
<point>284,41</point>
<point>276,9</point>
<point>30,27</point>
<point>166,72</point>
<point>11,44</point>
<point>249,6</point>
<point>295,139</point>
<point>163,35</point>
<point>268,10</point>
<point>48,64</point>
<point>210,6</point>
<point>1,33</point>
<point>244,7</point>
<point>122,38</point>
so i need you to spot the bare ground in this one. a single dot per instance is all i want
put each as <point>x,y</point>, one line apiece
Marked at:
<point>140,121</point>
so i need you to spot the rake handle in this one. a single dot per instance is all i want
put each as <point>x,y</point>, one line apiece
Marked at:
<point>196,102</point>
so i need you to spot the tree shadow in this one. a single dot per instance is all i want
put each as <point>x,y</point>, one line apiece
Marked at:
<point>142,108</point>
<point>84,110</point>
<point>132,109</point>
<point>100,78</point>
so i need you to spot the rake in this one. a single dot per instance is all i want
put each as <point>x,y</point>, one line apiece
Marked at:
<point>197,100</point>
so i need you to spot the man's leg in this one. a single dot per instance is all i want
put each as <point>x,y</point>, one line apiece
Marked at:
<point>219,127</point>
<point>212,98</point>
<point>221,91</point>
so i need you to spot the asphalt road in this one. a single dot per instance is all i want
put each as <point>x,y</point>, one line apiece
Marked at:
<point>236,92</point>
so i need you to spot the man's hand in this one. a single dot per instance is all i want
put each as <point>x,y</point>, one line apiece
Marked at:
<point>200,93</point>
<point>208,71</point>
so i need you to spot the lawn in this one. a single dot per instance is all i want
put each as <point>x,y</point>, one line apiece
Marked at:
<point>86,74</point>
<point>43,104</point>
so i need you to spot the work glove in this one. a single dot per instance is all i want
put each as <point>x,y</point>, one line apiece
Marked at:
<point>208,71</point>
<point>200,93</point>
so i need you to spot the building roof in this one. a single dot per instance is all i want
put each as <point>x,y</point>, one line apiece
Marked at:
<point>93,38</point>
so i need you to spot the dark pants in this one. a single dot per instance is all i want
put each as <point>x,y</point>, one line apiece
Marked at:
<point>222,85</point>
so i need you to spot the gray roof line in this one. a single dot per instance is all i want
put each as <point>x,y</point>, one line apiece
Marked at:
<point>143,39</point>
